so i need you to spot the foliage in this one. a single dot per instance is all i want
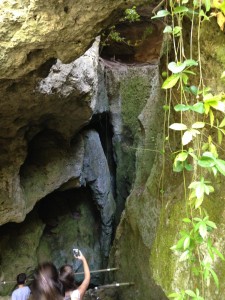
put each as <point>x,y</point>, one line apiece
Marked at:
<point>201,114</point>
<point>130,15</point>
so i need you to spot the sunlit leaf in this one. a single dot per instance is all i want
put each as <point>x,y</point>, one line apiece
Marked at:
<point>184,256</point>
<point>211,117</point>
<point>190,293</point>
<point>219,106</point>
<point>170,81</point>
<point>182,156</point>
<point>194,132</point>
<point>198,125</point>
<point>202,229</point>
<point>207,5</point>
<point>176,67</point>
<point>161,14</point>
<point>177,30</point>
<point>187,137</point>
<point>220,137</point>
<point>220,20</point>
<point>168,29</point>
<point>202,14</point>
<point>187,242</point>
<point>222,124</point>
<point>178,126</point>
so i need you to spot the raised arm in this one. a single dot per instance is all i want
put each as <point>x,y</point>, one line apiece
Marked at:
<point>84,285</point>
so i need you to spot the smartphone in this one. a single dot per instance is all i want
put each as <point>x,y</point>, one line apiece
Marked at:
<point>76,252</point>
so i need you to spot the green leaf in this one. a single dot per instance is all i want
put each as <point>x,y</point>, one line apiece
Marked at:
<point>220,137</point>
<point>180,9</point>
<point>182,156</point>
<point>186,220</point>
<point>211,224</point>
<point>181,107</point>
<point>198,107</point>
<point>184,78</point>
<point>177,30</point>
<point>194,90</point>
<point>191,62</point>
<point>222,124</point>
<point>161,14</point>
<point>178,166</point>
<point>207,5</point>
<point>178,126</point>
<point>215,250</point>
<point>190,293</point>
<point>188,166</point>
<point>206,162</point>
<point>170,81</point>
<point>168,29</point>
<point>220,165</point>
<point>214,277</point>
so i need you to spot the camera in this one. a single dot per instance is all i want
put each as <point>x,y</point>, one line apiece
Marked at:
<point>76,252</point>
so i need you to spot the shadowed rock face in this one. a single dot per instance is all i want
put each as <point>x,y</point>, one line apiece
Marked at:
<point>34,105</point>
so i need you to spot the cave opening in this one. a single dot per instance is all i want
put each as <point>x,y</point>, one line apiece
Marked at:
<point>133,43</point>
<point>71,220</point>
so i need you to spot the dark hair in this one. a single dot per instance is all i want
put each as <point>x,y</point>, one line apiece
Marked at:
<point>46,284</point>
<point>66,276</point>
<point>21,278</point>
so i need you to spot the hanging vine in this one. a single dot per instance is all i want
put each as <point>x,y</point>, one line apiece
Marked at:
<point>200,114</point>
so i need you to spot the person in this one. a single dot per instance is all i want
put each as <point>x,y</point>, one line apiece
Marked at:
<point>46,284</point>
<point>66,275</point>
<point>22,292</point>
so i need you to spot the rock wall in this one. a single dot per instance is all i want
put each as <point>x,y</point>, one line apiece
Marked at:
<point>33,31</point>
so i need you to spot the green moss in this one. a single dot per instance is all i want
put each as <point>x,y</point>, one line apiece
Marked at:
<point>162,260</point>
<point>134,92</point>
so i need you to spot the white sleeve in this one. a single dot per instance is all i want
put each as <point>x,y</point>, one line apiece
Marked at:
<point>75,295</point>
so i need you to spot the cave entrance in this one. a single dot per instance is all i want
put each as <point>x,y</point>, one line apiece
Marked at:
<point>71,220</point>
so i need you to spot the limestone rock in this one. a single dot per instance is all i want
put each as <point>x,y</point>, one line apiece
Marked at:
<point>58,106</point>
<point>33,31</point>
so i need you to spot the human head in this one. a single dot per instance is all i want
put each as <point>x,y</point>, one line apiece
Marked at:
<point>46,284</point>
<point>21,278</point>
<point>66,276</point>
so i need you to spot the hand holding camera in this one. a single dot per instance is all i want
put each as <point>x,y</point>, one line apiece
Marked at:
<point>76,253</point>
